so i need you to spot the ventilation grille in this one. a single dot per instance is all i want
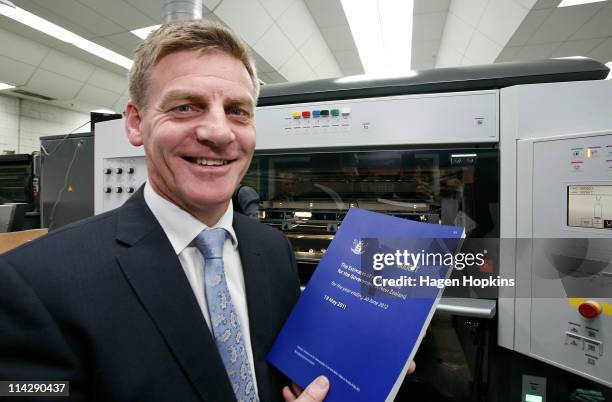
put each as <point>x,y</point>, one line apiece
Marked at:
<point>32,94</point>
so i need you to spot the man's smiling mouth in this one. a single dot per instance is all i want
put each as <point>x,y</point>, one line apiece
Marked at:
<point>207,162</point>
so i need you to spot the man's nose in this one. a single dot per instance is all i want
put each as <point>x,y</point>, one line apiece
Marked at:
<point>214,128</point>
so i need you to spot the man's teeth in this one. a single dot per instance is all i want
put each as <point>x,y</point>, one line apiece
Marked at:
<point>211,162</point>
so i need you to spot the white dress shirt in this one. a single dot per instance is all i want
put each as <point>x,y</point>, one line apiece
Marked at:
<point>181,228</point>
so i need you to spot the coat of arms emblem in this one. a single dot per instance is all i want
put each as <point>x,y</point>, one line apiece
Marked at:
<point>358,247</point>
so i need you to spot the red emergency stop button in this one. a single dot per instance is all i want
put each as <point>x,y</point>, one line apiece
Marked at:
<point>589,309</point>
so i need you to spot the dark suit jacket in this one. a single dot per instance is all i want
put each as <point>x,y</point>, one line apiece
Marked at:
<point>105,304</point>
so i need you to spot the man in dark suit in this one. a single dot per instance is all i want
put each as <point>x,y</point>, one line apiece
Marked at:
<point>171,297</point>
<point>246,201</point>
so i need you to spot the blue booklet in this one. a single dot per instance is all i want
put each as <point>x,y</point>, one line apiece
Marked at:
<point>367,306</point>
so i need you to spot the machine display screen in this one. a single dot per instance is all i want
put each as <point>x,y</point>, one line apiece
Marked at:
<point>589,206</point>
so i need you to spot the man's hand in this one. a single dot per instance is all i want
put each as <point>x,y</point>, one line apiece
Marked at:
<point>412,367</point>
<point>315,392</point>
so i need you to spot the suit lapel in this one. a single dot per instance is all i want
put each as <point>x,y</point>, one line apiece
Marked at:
<point>155,274</point>
<point>258,298</point>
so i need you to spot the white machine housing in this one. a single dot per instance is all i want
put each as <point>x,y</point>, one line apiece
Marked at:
<point>541,127</point>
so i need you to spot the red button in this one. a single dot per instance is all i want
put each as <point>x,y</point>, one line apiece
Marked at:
<point>488,266</point>
<point>306,114</point>
<point>589,309</point>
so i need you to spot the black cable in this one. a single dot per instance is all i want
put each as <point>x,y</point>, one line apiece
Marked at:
<point>64,138</point>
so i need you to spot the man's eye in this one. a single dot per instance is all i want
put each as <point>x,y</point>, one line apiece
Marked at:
<point>184,108</point>
<point>236,111</point>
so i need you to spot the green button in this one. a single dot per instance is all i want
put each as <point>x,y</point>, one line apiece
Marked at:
<point>335,112</point>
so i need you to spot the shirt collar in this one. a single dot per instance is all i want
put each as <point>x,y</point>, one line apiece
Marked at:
<point>179,225</point>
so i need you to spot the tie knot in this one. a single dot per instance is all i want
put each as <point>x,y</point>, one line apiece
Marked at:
<point>210,242</point>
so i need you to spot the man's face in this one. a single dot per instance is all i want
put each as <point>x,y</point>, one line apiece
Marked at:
<point>197,128</point>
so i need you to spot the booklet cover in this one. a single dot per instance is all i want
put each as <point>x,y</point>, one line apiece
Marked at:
<point>367,306</point>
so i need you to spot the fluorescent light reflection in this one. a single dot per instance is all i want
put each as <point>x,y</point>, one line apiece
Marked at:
<point>569,3</point>
<point>5,86</point>
<point>609,65</point>
<point>382,30</point>
<point>49,28</point>
<point>374,77</point>
<point>142,33</point>
<point>571,57</point>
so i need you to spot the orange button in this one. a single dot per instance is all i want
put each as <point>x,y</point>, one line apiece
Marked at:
<point>589,309</point>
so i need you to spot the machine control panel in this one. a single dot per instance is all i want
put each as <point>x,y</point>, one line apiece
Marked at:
<point>122,177</point>
<point>585,344</point>
<point>469,117</point>
<point>571,262</point>
<point>318,120</point>
<point>593,156</point>
<point>580,342</point>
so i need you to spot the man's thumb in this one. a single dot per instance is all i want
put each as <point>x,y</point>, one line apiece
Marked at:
<point>316,391</point>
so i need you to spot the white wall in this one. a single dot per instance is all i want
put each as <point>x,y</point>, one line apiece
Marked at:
<point>9,122</point>
<point>23,123</point>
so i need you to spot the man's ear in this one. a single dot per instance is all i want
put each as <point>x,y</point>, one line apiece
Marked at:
<point>132,123</point>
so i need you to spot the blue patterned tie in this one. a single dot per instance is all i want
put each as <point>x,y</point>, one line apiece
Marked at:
<point>223,318</point>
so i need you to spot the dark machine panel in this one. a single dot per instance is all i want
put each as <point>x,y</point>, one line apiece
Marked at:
<point>19,185</point>
<point>66,179</point>
<point>450,79</point>
<point>16,178</point>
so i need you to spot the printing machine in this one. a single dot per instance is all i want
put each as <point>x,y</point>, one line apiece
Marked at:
<point>512,151</point>
<point>19,192</point>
